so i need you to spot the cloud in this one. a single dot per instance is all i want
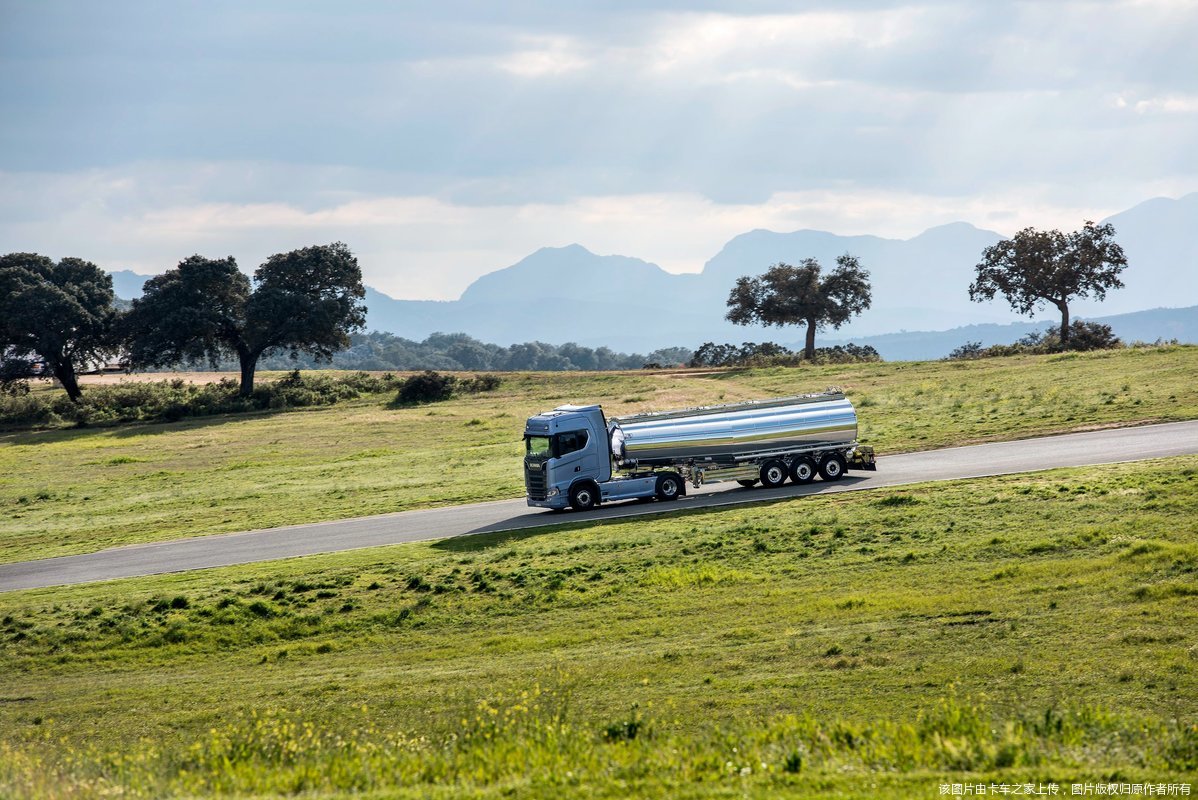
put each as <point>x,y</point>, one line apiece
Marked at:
<point>446,140</point>
<point>542,56</point>
<point>1165,104</point>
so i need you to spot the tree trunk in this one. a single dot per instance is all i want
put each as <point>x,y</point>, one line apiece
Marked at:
<point>65,372</point>
<point>809,350</point>
<point>1064,324</point>
<point>249,363</point>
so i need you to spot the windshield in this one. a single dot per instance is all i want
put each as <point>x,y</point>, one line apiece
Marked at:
<point>537,446</point>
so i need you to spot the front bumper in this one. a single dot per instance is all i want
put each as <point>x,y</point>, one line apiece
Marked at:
<point>559,502</point>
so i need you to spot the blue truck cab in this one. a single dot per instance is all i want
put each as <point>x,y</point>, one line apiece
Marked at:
<point>568,463</point>
<point>566,457</point>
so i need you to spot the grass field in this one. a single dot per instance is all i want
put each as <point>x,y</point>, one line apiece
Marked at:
<point>71,491</point>
<point>1010,630</point>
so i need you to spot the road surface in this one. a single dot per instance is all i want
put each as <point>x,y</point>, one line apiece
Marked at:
<point>999,458</point>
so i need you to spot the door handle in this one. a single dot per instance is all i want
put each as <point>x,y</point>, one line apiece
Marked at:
<point>578,468</point>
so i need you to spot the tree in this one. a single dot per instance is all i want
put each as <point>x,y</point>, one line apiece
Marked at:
<point>791,295</point>
<point>306,300</point>
<point>194,312</point>
<point>62,312</point>
<point>470,354</point>
<point>1039,267</point>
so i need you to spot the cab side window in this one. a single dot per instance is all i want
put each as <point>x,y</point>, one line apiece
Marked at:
<point>570,442</point>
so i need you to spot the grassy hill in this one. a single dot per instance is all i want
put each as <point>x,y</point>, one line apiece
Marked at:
<point>1009,630</point>
<point>71,491</point>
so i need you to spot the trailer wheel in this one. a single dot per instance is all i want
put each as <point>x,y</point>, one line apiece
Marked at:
<point>669,486</point>
<point>748,484</point>
<point>583,497</point>
<point>773,474</point>
<point>832,467</point>
<point>802,470</point>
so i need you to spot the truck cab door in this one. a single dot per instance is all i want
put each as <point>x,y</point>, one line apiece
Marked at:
<point>575,457</point>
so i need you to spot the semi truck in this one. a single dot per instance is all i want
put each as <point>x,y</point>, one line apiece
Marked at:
<point>575,457</point>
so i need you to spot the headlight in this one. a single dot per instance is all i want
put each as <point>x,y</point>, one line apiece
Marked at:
<point>554,492</point>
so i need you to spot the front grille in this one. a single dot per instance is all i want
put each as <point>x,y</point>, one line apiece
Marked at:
<point>534,480</point>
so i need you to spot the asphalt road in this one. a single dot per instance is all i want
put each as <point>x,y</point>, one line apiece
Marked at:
<point>999,458</point>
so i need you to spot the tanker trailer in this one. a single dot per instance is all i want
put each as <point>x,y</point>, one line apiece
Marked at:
<point>576,457</point>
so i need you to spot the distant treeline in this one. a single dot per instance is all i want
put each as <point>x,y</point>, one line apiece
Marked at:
<point>459,351</point>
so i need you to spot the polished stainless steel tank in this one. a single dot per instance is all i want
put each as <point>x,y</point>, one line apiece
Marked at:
<point>734,430</point>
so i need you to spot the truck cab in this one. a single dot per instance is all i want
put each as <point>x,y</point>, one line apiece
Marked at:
<point>566,456</point>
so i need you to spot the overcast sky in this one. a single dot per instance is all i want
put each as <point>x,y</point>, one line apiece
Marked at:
<point>444,140</point>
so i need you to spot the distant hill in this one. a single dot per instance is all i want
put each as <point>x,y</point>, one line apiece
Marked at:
<point>1160,238</point>
<point>1143,326</point>
<point>572,294</point>
<point>127,284</point>
<point>569,294</point>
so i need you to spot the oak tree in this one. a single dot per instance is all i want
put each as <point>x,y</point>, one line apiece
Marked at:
<point>1038,267</point>
<point>802,295</point>
<point>62,312</point>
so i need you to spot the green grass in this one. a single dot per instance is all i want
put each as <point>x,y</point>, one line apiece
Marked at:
<point>1024,628</point>
<point>72,491</point>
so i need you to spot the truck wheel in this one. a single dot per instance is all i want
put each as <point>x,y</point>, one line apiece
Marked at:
<point>802,470</point>
<point>832,467</point>
<point>583,497</point>
<point>748,484</point>
<point>773,474</point>
<point>669,486</point>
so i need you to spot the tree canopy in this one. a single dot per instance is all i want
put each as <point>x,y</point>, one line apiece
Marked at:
<point>793,295</point>
<point>62,312</point>
<point>307,300</point>
<point>191,313</point>
<point>1038,267</point>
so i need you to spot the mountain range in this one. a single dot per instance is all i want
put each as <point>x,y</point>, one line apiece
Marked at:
<point>920,284</point>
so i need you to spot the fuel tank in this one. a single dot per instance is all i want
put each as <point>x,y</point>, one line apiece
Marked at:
<point>726,432</point>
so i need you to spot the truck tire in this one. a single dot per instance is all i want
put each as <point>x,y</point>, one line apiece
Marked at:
<point>748,484</point>
<point>773,474</point>
<point>583,496</point>
<point>802,470</point>
<point>832,467</point>
<point>669,486</point>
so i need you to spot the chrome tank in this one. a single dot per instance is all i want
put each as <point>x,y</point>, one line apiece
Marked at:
<point>736,429</point>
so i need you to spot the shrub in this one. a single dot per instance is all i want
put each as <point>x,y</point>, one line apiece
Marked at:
<point>479,384</point>
<point>14,375</point>
<point>771,354</point>
<point>846,354</point>
<point>426,387</point>
<point>967,351</point>
<point>433,387</point>
<point>173,400</point>
<point>1083,336</point>
<point>1090,336</point>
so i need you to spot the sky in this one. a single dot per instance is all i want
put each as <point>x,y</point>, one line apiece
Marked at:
<point>445,140</point>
